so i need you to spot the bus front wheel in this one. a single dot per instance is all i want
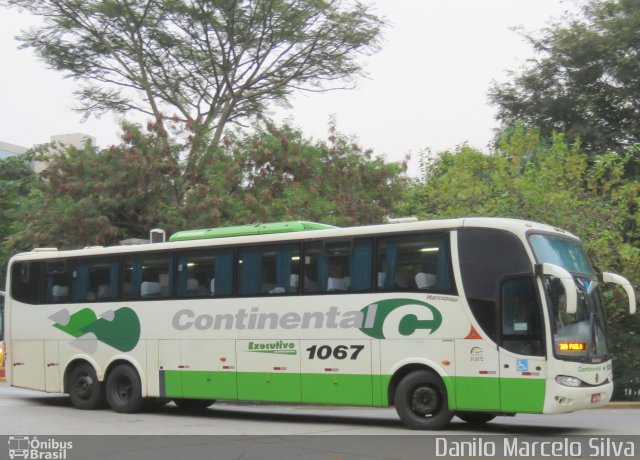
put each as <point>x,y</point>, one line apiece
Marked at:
<point>124,390</point>
<point>421,401</point>
<point>85,390</point>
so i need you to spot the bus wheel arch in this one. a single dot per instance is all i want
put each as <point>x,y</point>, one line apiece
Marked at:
<point>420,397</point>
<point>81,382</point>
<point>123,387</point>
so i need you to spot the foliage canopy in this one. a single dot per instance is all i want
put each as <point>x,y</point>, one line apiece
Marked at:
<point>91,196</point>
<point>196,65</point>
<point>585,80</point>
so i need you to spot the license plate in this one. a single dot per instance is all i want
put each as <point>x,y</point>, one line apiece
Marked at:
<point>595,398</point>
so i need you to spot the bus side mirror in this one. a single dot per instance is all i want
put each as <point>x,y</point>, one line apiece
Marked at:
<point>567,281</point>
<point>626,285</point>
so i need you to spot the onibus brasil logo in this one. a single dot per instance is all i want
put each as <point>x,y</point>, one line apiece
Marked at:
<point>386,319</point>
<point>33,448</point>
<point>119,329</point>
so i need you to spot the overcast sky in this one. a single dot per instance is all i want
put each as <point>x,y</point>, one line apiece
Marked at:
<point>427,87</point>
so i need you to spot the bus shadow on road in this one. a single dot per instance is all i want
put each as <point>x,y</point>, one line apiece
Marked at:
<point>294,414</point>
<point>50,400</point>
<point>457,426</point>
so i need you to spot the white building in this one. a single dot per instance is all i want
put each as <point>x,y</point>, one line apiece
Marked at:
<point>9,150</point>
<point>74,140</point>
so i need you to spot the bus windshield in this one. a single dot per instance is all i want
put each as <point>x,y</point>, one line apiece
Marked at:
<point>580,336</point>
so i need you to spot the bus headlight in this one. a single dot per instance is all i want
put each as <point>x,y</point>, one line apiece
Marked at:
<point>567,381</point>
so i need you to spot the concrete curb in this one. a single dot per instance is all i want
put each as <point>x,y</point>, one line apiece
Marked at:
<point>623,405</point>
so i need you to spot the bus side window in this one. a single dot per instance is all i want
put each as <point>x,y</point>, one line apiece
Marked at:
<point>95,280</point>
<point>268,270</point>
<point>58,281</point>
<point>147,277</point>
<point>338,266</point>
<point>361,265</point>
<point>315,269</point>
<point>205,275</point>
<point>25,282</point>
<point>415,262</point>
<point>521,321</point>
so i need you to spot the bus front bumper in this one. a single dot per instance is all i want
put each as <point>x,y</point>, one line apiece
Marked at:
<point>561,399</point>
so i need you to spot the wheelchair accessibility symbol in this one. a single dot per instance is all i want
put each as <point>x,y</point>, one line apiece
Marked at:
<point>522,365</point>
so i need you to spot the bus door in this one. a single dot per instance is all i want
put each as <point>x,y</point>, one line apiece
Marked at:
<point>523,366</point>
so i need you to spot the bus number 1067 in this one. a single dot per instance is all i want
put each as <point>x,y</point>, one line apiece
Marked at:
<point>339,352</point>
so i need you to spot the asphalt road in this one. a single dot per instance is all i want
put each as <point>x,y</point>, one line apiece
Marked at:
<point>35,413</point>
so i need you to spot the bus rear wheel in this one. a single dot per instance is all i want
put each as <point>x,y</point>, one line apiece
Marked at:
<point>475,418</point>
<point>85,390</point>
<point>421,401</point>
<point>124,390</point>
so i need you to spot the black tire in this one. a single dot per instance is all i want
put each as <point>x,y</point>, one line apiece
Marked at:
<point>124,391</point>
<point>193,405</point>
<point>475,418</point>
<point>85,390</point>
<point>421,401</point>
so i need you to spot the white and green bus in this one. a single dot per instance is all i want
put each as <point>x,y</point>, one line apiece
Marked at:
<point>471,317</point>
